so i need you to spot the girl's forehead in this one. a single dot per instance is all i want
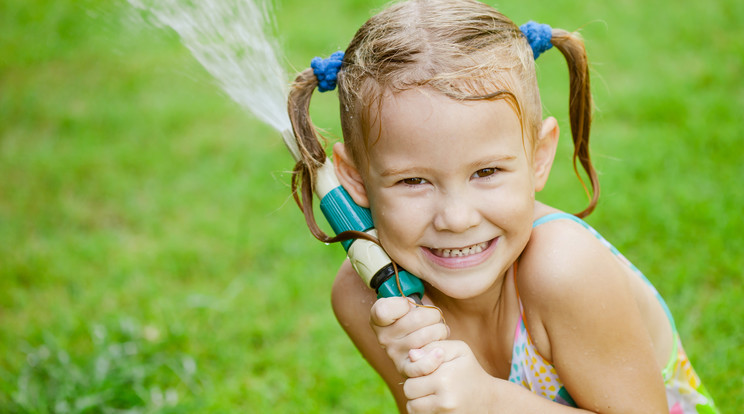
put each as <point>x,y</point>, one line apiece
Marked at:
<point>418,122</point>
<point>424,108</point>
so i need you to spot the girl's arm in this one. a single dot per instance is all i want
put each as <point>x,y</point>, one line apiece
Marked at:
<point>446,377</point>
<point>352,301</point>
<point>437,381</point>
<point>386,330</point>
<point>584,316</point>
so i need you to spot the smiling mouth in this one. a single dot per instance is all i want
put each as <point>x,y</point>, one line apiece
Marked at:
<point>461,251</point>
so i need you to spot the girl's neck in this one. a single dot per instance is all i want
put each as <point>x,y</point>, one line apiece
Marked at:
<point>486,308</point>
<point>485,323</point>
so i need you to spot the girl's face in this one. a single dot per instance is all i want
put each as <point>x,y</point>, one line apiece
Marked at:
<point>451,186</point>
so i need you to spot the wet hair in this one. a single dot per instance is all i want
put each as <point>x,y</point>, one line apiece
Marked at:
<point>463,49</point>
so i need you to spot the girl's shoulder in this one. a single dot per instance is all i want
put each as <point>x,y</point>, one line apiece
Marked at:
<point>564,249</point>
<point>564,274</point>
<point>582,313</point>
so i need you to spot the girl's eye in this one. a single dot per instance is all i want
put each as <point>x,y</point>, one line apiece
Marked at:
<point>413,181</point>
<point>485,172</point>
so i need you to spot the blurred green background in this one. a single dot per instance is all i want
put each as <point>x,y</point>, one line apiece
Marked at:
<point>151,259</point>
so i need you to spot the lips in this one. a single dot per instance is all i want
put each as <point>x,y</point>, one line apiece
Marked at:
<point>461,257</point>
<point>461,251</point>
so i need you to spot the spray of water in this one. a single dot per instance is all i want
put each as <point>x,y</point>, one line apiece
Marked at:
<point>232,40</point>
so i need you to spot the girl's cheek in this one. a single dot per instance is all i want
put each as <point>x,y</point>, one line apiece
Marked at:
<point>404,213</point>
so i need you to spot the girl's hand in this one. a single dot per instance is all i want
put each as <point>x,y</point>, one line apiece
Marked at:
<point>446,377</point>
<point>401,326</point>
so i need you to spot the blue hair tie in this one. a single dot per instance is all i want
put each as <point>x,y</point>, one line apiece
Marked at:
<point>538,35</point>
<point>326,70</point>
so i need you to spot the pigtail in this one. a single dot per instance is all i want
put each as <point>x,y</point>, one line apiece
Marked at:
<point>312,154</point>
<point>580,108</point>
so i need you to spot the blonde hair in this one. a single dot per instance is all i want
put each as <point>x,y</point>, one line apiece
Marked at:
<point>463,49</point>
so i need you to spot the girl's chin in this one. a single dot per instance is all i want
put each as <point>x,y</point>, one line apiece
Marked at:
<point>461,289</point>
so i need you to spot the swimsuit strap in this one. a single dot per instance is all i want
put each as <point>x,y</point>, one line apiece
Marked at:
<point>556,216</point>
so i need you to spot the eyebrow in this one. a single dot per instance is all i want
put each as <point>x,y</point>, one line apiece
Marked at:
<point>486,161</point>
<point>403,171</point>
<point>482,163</point>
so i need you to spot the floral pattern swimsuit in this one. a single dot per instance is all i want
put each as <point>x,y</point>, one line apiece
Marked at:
<point>685,392</point>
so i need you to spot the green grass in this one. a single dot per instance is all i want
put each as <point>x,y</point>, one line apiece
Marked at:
<point>151,259</point>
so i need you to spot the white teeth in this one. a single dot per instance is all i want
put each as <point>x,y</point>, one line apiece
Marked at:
<point>462,252</point>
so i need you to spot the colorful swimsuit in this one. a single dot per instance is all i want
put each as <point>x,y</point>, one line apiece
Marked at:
<point>685,392</point>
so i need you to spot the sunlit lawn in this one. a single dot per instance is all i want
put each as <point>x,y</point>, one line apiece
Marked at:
<point>151,258</point>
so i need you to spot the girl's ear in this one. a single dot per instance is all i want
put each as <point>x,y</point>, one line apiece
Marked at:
<point>547,143</point>
<point>348,175</point>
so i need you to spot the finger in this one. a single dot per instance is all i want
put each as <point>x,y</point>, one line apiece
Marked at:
<point>423,362</point>
<point>387,311</point>
<point>423,316</point>
<point>425,336</point>
<point>417,318</point>
<point>398,348</point>
<point>418,387</point>
<point>423,405</point>
<point>410,332</point>
<point>451,349</point>
<point>404,317</point>
<point>427,359</point>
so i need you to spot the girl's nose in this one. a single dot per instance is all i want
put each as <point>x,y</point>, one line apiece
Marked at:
<point>456,214</point>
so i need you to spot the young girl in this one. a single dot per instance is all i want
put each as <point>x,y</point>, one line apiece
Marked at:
<point>527,308</point>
